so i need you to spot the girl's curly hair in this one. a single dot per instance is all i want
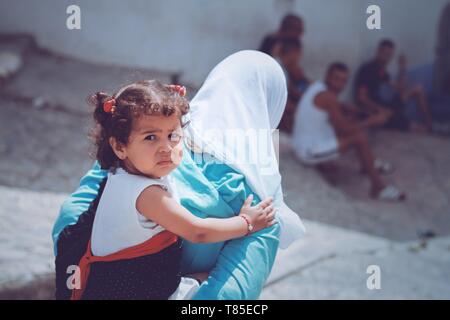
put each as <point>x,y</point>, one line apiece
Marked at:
<point>148,97</point>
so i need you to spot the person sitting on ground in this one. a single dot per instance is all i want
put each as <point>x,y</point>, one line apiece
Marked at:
<point>374,91</point>
<point>322,131</point>
<point>290,53</point>
<point>434,77</point>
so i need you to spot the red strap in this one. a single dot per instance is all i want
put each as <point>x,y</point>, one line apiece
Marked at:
<point>153,245</point>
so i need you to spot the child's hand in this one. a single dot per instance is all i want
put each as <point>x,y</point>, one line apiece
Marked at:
<point>260,216</point>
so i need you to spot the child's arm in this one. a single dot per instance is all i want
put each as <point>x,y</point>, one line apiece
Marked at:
<point>157,205</point>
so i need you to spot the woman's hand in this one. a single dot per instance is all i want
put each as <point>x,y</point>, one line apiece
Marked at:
<point>260,216</point>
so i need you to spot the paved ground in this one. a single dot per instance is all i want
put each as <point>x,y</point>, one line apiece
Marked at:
<point>422,169</point>
<point>44,152</point>
<point>332,262</point>
<point>328,263</point>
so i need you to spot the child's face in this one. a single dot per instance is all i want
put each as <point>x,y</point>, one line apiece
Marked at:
<point>154,147</point>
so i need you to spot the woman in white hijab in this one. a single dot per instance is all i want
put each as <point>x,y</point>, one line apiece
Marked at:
<point>230,134</point>
<point>240,104</point>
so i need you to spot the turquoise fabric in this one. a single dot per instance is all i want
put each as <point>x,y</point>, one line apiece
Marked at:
<point>79,201</point>
<point>239,267</point>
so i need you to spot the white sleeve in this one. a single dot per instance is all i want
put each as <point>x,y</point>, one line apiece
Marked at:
<point>139,185</point>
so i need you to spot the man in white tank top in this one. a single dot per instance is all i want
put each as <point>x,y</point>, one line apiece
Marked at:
<point>323,129</point>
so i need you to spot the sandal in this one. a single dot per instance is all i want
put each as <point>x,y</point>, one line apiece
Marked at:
<point>383,166</point>
<point>390,193</point>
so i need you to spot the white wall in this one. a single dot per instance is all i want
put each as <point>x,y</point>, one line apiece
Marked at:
<point>193,35</point>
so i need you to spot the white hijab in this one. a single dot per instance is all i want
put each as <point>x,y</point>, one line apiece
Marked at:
<point>232,117</point>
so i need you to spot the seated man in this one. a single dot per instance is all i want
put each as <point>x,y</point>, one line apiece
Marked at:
<point>435,77</point>
<point>289,55</point>
<point>439,99</point>
<point>374,92</point>
<point>323,129</point>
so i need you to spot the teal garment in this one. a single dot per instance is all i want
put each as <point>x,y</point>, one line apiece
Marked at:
<point>239,267</point>
<point>79,201</point>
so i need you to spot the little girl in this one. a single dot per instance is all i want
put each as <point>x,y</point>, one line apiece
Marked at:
<point>134,250</point>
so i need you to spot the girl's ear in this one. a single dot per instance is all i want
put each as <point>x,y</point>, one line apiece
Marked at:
<point>118,148</point>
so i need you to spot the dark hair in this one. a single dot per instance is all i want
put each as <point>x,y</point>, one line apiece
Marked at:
<point>288,44</point>
<point>386,43</point>
<point>148,97</point>
<point>290,21</point>
<point>339,66</point>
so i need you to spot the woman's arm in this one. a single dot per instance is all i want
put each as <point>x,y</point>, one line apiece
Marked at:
<point>156,204</point>
<point>239,269</point>
<point>242,268</point>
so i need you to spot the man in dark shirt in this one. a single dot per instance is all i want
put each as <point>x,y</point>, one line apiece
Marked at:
<point>376,92</point>
<point>369,79</point>
<point>372,86</point>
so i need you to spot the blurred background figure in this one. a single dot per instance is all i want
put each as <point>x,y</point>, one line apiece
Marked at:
<point>376,91</point>
<point>286,46</point>
<point>292,26</point>
<point>442,77</point>
<point>290,53</point>
<point>323,131</point>
<point>434,77</point>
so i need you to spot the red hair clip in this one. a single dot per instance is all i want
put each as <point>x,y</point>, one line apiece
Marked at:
<point>109,106</point>
<point>177,88</point>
